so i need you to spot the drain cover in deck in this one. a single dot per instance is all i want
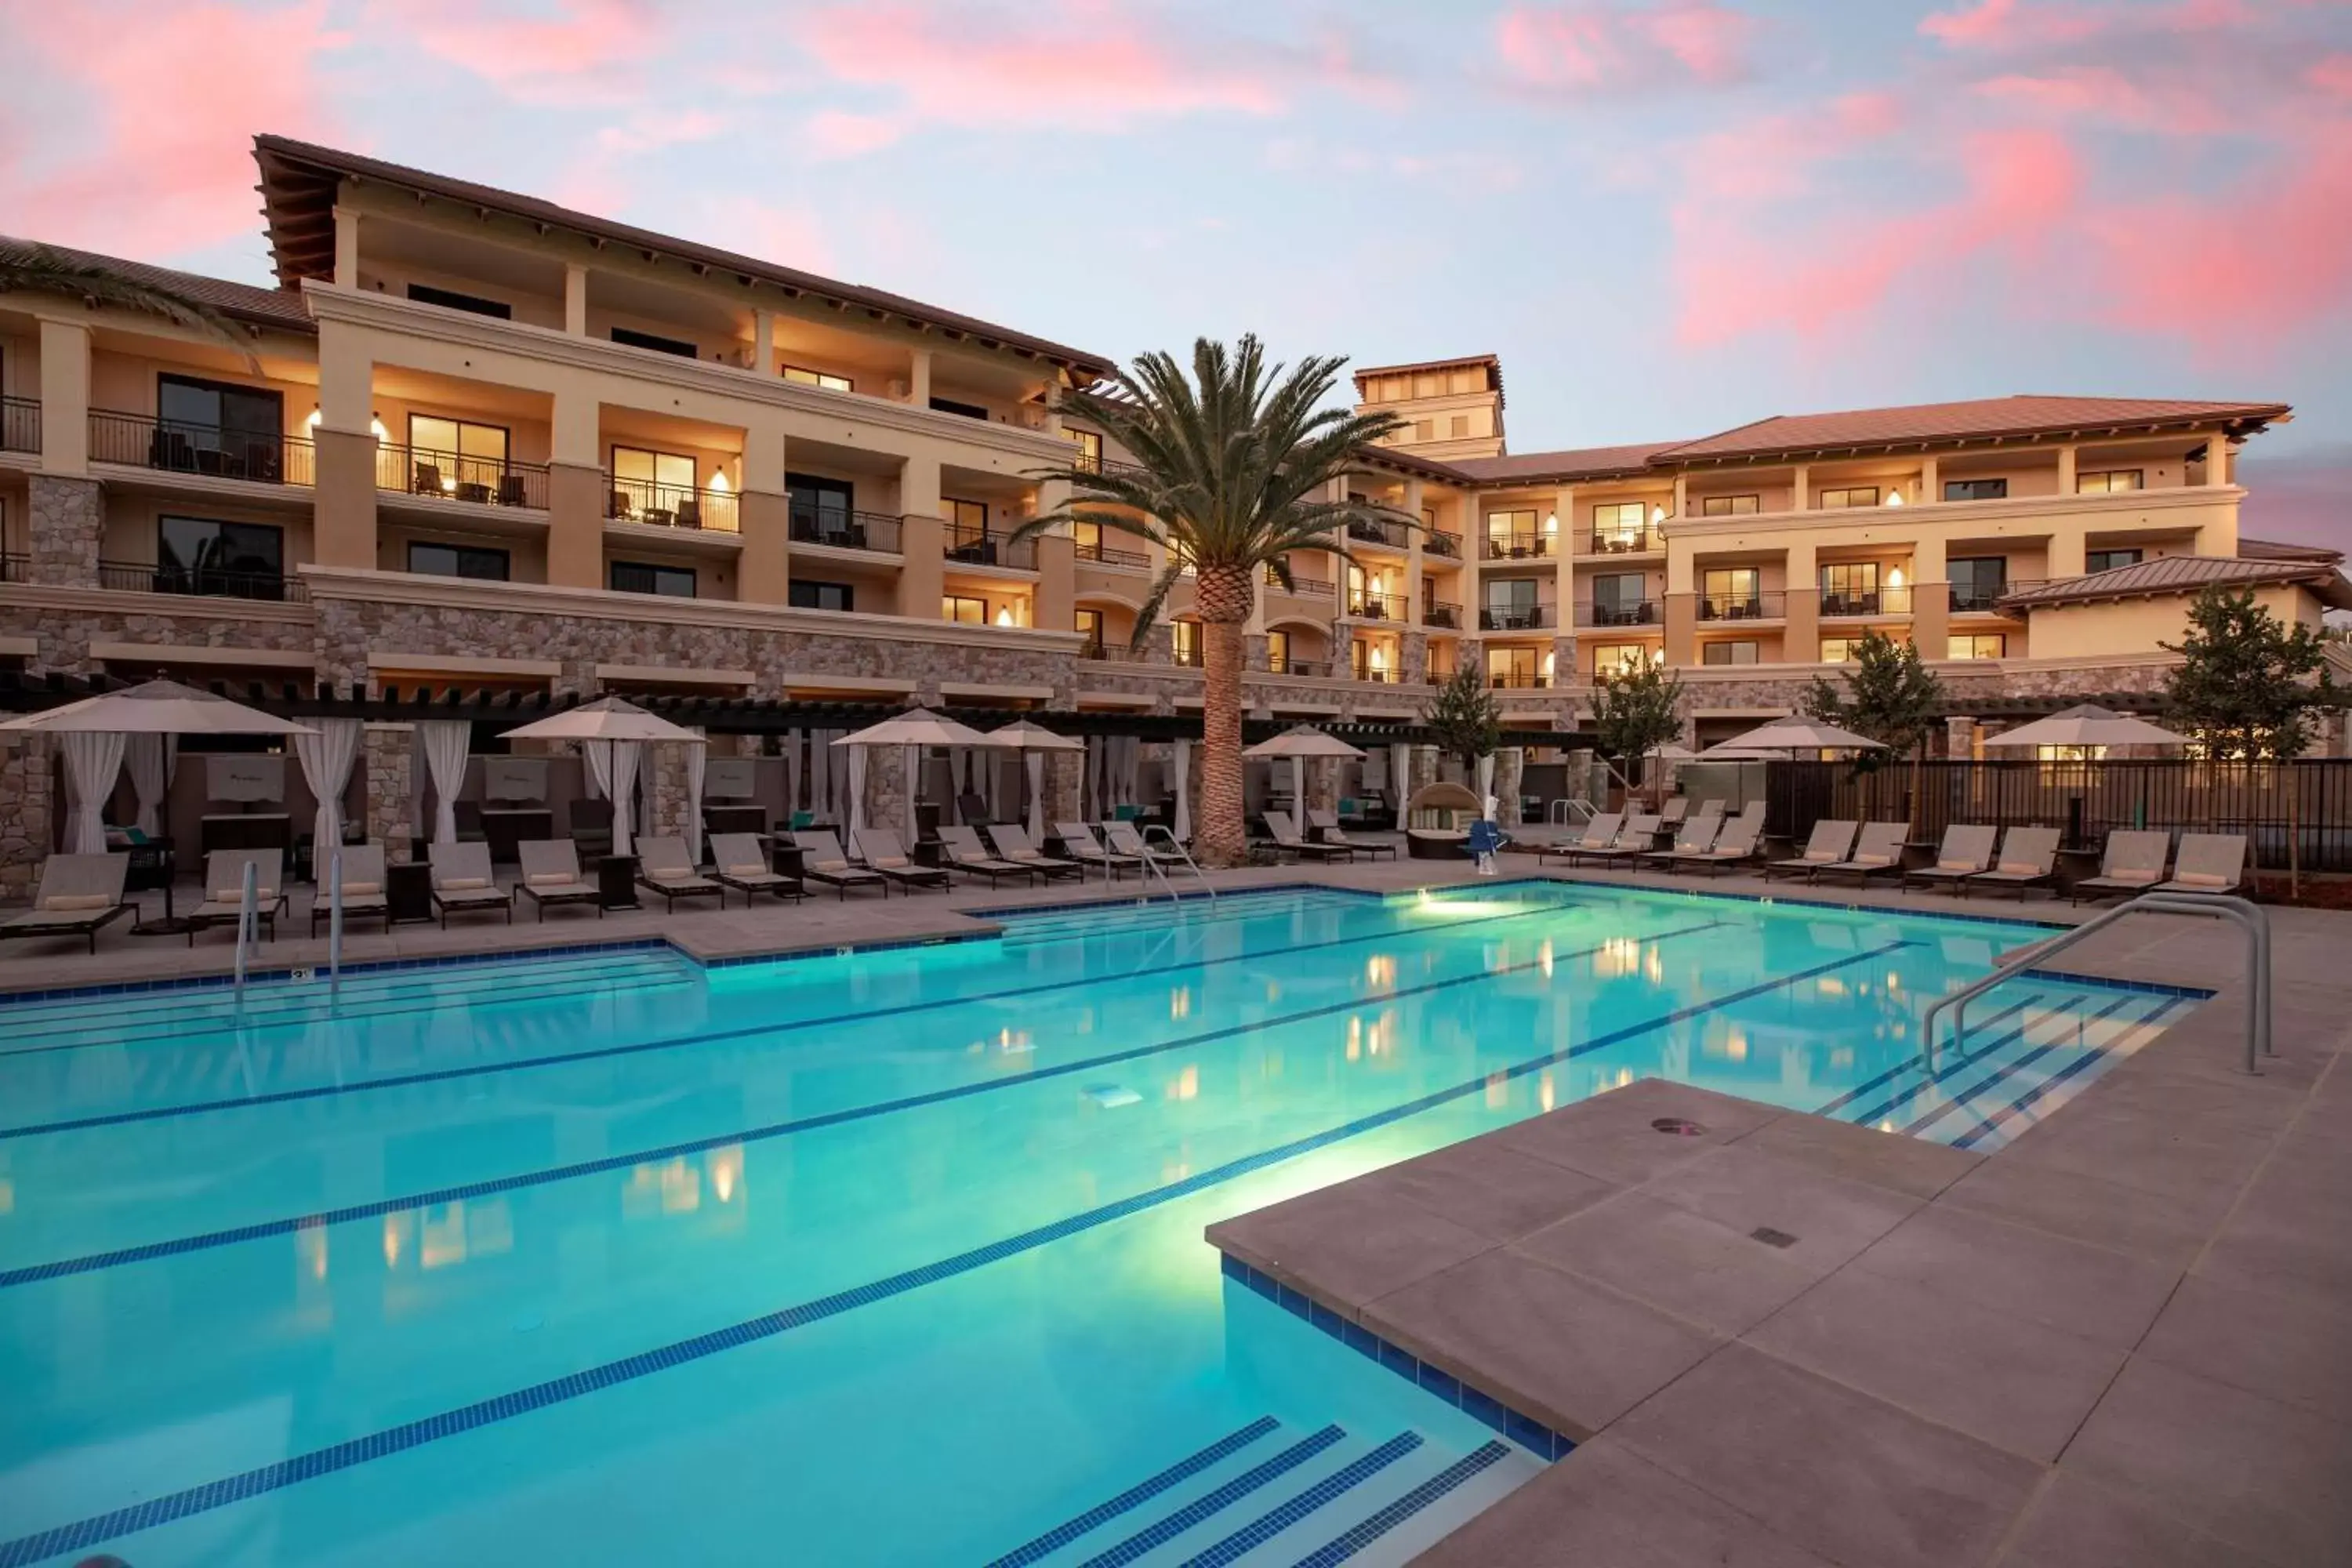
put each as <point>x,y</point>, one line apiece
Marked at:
<point>1678,1127</point>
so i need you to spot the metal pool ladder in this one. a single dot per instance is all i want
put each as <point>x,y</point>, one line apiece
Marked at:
<point>1181,854</point>
<point>2247,917</point>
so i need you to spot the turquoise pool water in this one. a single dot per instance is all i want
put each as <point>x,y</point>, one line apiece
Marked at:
<point>889,1257</point>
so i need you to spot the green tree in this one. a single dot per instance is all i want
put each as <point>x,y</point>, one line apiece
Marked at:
<point>26,269</point>
<point>1636,709</point>
<point>2248,683</point>
<point>1465,718</point>
<point>1888,695</point>
<point>1231,468</point>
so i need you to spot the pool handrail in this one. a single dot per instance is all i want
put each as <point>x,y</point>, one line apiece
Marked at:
<point>1181,854</point>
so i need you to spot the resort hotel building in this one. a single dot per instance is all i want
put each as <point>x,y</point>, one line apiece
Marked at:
<point>480,444</point>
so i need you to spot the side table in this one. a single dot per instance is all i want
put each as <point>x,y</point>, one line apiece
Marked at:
<point>617,881</point>
<point>408,893</point>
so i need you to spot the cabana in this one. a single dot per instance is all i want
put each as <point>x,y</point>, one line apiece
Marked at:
<point>1032,741</point>
<point>910,731</point>
<point>613,731</point>
<point>1299,742</point>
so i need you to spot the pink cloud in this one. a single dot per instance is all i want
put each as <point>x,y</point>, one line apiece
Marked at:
<point>2333,76</point>
<point>1599,48</point>
<point>588,51</point>
<point>157,155</point>
<point>837,133</point>
<point>1052,65</point>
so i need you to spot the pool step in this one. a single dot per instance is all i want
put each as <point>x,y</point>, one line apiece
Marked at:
<point>1271,1497</point>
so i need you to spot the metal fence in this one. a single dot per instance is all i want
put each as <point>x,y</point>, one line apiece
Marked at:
<point>2307,804</point>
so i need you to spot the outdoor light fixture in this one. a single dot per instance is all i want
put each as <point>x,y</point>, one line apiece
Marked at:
<point>718,486</point>
<point>1895,577</point>
<point>1551,523</point>
<point>1657,515</point>
<point>1894,496</point>
<point>375,425</point>
<point>1004,615</point>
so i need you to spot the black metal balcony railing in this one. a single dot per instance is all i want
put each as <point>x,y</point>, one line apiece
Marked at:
<point>1517,546</point>
<point>1110,652</point>
<point>1448,617</point>
<point>1517,680</point>
<point>1623,542</point>
<point>1371,530</point>
<point>20,424</point>
<point>16,568</point>
<point>1756,606</point>
<point>1366,605</point>
<point>1865,603</point>
<point>1981,600</point>
<point>979,547</point>
<point>657,505</point>
<point>1190,658</point>
<point>1303,587</point>
<point>1449,546</point>
<point>1302,667</point>
<point>1620,613</point>
<point>1378,677</point>
<point>206,582</point>
<point>142,440</point>
<point>1515,617</point>
<point>453,476</point>
<point>1103,554</point>
<point>843,529</point>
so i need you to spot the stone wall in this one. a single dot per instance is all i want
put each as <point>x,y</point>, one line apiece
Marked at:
<point>62,638</point>
<point>27,826</point>
<point>66,518</point>
<point>384,759</point>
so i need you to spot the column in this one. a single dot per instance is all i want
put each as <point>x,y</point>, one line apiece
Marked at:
<point>575,299</point>
<point>385,754</point>
<point>1682,605</point>
<point>64,525</point>
<point>1473,522</point>
<point>1563,507</point>
<point>347,249</point>
<point>344,449</point>
<point>2217,459</point>
<point>918,378</point>
<point>576,495</point>
<point>1058,568</point>
<point>763,341</point>
<point>1931,598</point>
<point>1800,642</point>
<point>1960,737</point>
<point>1682,494</point>
<point>65,397</point>
<point>1930,487</point>
<point>922,541</point>
<point>2065,471</point>
<point>1800,488</point>
<point>1413,543</point>
<point>27,828</point>
<point>766,516</point>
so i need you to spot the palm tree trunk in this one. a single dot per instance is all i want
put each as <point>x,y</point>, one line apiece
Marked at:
<point>1224,598</point>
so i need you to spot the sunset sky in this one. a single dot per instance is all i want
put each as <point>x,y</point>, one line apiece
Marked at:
<point>1669,216</point>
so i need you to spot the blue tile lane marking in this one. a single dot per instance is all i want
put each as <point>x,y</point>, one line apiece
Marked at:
<point>372,966</point>
<point>1905,1068</point>
<point>467,1191</point>
<point>2031,1097</point>
<point>2077,1023</point>
<point>1209,1504</point>
<point>714,1036</point>
<point>1917,1080</point>
<point>1373,1526</point>
<point>506,1406</point>
<point>1136,1496</point>
<point>1273,1522</point>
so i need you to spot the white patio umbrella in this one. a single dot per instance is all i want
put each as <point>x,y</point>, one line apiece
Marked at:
<point>93,733</point>
<point>910,731</point>
<point>1299,742</point>
<point>1793,735</point>
<point>612,731</point>
<point>1033,740</point>
<point>2088,725</point>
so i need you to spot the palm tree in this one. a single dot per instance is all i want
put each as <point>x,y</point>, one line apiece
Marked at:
<point>32,268</point>
<point>1230,469</point>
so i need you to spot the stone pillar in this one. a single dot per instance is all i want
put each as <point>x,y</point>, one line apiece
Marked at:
<point>1065,777</point>
<point>885,805</point>
<point>65,521</point>
<point>27,823</point>
<point>1564,662</point>
<point>1470,653</point>
<point>1254,650</point>
<point>665,775</point>
<point>1510,770</point>
<point>1159,643</point>
<point>1960,737</point>
<point>1412,658</point>
<point>1322,784</point>
<point>387,756</point>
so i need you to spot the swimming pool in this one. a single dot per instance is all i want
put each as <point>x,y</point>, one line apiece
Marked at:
<point>890,1256</point>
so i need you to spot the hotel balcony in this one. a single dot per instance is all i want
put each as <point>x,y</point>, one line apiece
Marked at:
<point>1622,613</point>
<point>1300,587</point>
<point>20,424</point>
<point>1621,541</point>
<point>1875,603</point>
<point>1757,606</point>
<point>1441,616</point>
<point>1370,530</point>
<point>1365,606</point>
<point>1518,546</point>
<point>976,546</point>
<point>1317,667</point>
<point>202,581</point>
<point>142,440</point>
<point>840,529</point>
<point>1987,601</point>
<point>1515,617</point>
<point>651,504</point>
<point>1102,554</point>
<point>1109,652</point>
<point>455,477</point>
<point>1434,541</point>
<point>1517,680</point>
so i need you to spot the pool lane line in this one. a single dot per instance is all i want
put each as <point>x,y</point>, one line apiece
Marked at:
<point>34,1273</point>
<point>2076,1023</point>
<point>1210,1504</point>
<point>170,1507</point>
<point>1910,1065</point>
<point>1295,1508</point>
<point>1134,1496</point>
<point>716,1037</point>
<point>2050,1085</point>
<point>1373,1526</point>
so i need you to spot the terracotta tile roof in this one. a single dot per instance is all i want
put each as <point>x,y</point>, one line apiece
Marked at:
<point>1579,463</point>
<point>2184,575</point>
<point>1987,418</point>
<point>279,308</point>
<point>299,181</point>
<point>2277,550</point>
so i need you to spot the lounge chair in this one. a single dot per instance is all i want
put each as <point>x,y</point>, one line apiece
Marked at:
<point>1328,824</point>
<point>740,860</point>
<point>2208,863</point>
<point>1598,835</point>
<point>1676,811</point>
<point>363,882</point>
<point>1741,840</point>
<point>224,890</point>
<point>2028,858</point>
<point>1126,839</point>
<point>961,847</point>
<point>551,875</point>
<point>1012,841</point>
<point>1967,849</point>
<point>880,849</point>
<point>1831,841</point>
<point>1285,833</point>
<point>2134,863</point>
<point>1078,844</point>
<point>665,868</point>
<point>1632,841</point>
<point>824,860</point>
<point>1697,837</point>
<point>79,895</point>
<point>463,882</point>
<point>1879,852</point>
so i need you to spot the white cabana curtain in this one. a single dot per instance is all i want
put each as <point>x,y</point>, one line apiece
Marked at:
<point>1183,790</point>
<point>327,756</point>
<point>93,761</point>
<point>621,780</point>
<point>1037,797</point>
<point>1487,786</point>
<point>841,768</point>
<point>1299,795</point>
<point>592,782</point>
<point>792,773</point>
<point>856,766</point>
<point>1399,770</point>
<point>1090,790</point>
<point>444,744</point>
<point>697,765</point>
<point>143,756</point>
<point>911,783</point>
